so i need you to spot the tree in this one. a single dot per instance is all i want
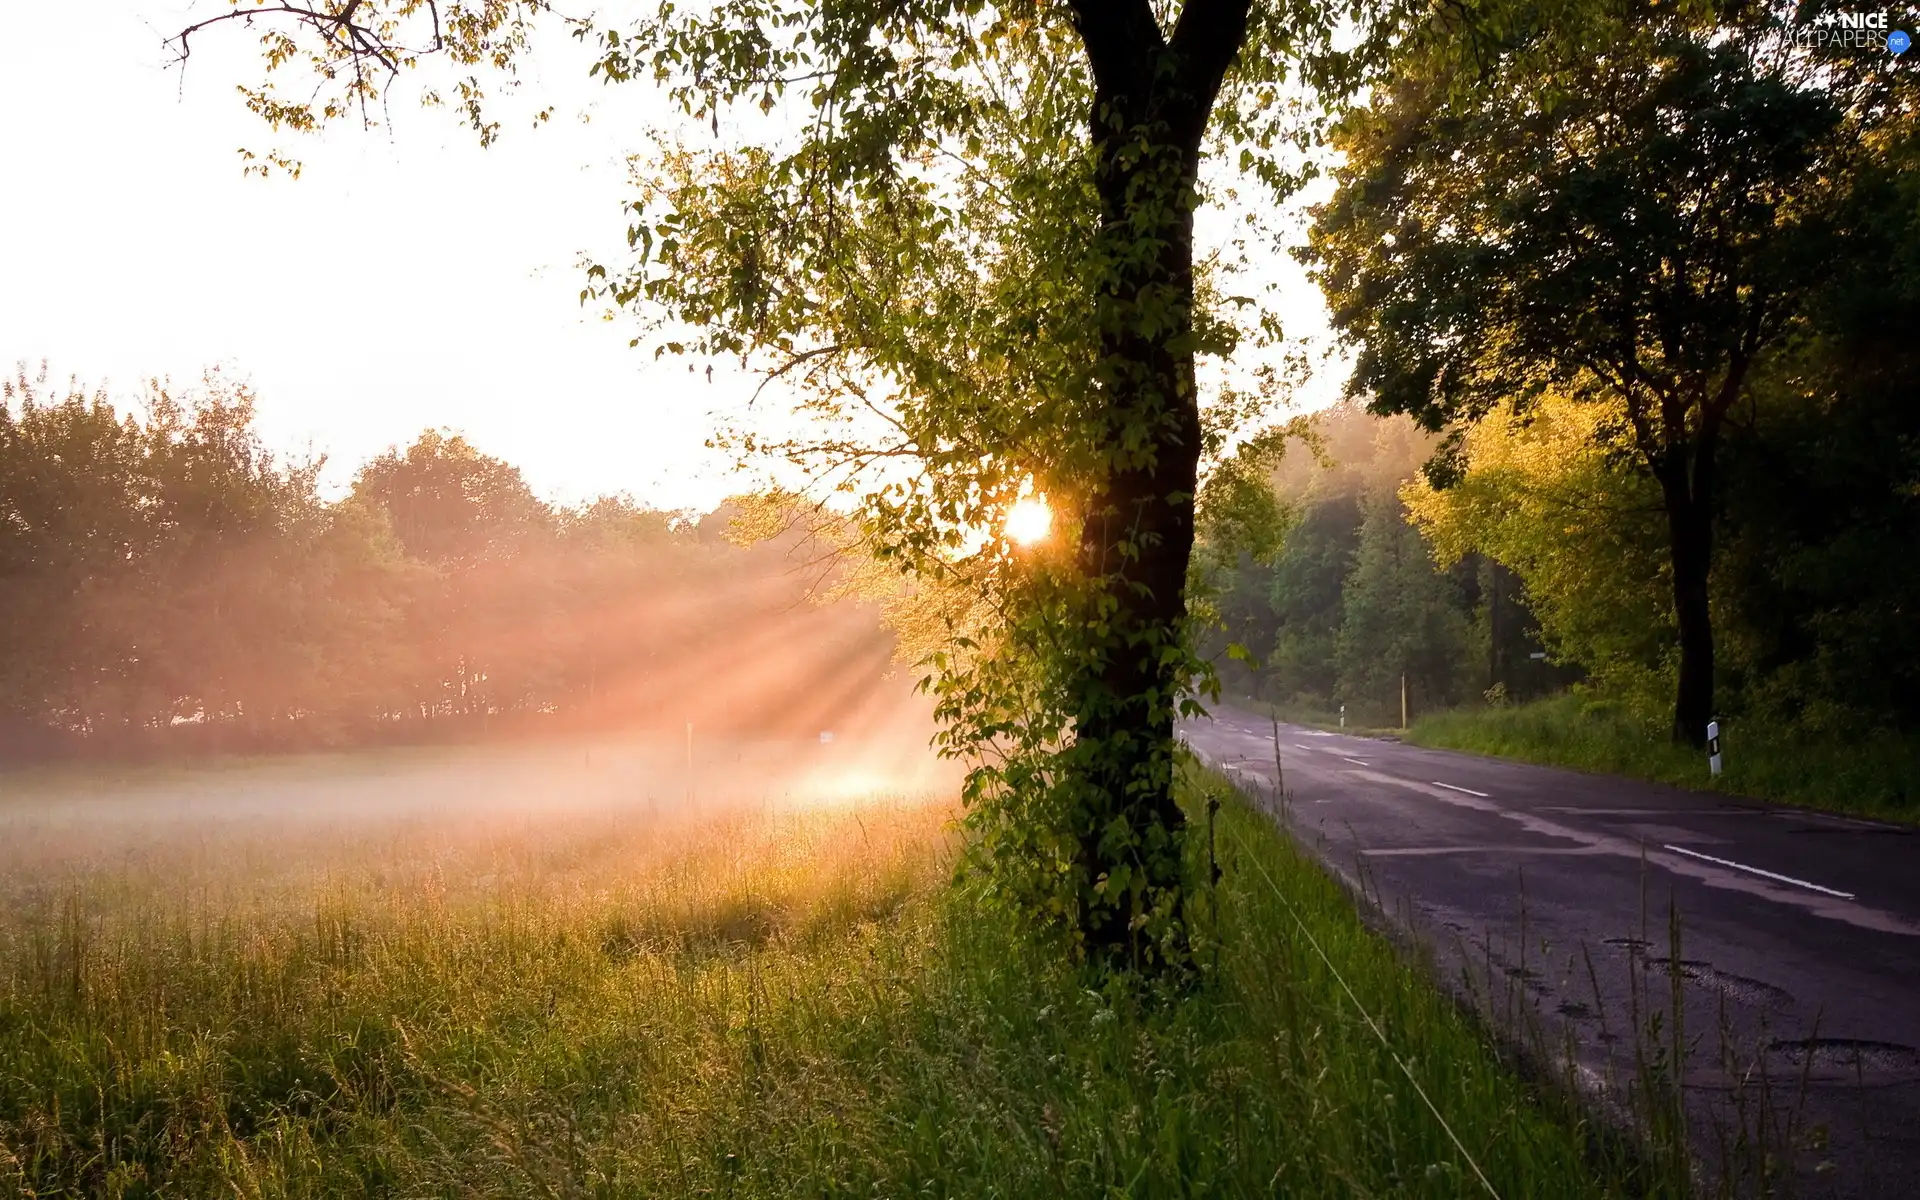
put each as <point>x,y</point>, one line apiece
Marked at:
<point>472,518</point>
<point>1823,482</point>
<point>1399,622</point>
<point>1626,209</point>
<point>1584,533</point>
<point>1306,596</point>
<point>451,504</point>
<point>70,523</point>
<point>973,264</point>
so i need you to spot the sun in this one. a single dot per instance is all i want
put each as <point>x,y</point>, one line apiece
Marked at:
<point>1029,520</point>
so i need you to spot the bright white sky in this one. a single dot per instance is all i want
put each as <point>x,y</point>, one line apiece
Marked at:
<point>407,280</point>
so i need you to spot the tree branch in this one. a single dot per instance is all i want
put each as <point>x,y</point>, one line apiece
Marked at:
<point>1121,38</point>
<point>1206,39</point>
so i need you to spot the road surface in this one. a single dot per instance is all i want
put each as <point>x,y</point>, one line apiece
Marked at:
<point>1545,896</point>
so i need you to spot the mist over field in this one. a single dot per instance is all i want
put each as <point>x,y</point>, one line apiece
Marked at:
<point>317,811</point>
<point>574,776</point>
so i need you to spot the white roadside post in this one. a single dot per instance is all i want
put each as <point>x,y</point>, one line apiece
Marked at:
<point>1713,747</point>
<point>1343,716</point>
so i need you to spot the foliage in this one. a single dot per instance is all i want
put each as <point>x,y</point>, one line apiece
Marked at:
<point>740,1004</point>
<point>1586,539</point>
<point>354,51</point>
<point>1307,596</point>
<point>1823,488</point>
<point>1819,486</point>
<point>1627,210</point>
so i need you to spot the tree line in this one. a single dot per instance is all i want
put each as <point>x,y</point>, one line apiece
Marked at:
<point>169,584</point>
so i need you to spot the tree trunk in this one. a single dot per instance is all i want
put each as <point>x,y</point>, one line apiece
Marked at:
<point>1150,110</point>
<point>1689,503</point>
<point>1496,658</point>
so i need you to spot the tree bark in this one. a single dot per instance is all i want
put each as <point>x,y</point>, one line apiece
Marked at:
<point>1152,99</point>
<point>1688,496</point>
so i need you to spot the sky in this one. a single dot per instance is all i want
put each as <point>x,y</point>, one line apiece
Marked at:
<point>407,280</point>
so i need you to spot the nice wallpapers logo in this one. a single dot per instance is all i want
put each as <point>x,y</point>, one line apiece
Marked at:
<point>1833,30</point>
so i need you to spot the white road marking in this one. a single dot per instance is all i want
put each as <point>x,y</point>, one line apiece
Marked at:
<point>1358,761</point>
<point>1425,851</point>
<point>1838,906</point>
<point>1301,746</point>
<point>1468,791</point>
<point>1728,811</point>
<point>1723,862</point>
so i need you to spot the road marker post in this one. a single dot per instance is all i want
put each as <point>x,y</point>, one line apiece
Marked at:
<point>1343,716</point>
<point>1713,747</point>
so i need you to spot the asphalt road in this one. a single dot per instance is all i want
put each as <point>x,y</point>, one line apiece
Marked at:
<point>1545,896</point>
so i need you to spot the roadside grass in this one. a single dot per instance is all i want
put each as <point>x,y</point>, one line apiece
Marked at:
<point>753,1003</point>
<point>1878,778</point>
<point>1314,717</point>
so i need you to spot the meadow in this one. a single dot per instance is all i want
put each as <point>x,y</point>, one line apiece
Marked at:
<point>219,984</point>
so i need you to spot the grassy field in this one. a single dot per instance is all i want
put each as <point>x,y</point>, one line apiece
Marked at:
<point>742,1001</point>
<point>1878,778</point>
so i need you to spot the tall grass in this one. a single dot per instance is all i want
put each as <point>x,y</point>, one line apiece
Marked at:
<point>1877,777</point>
<point>754,1004</point>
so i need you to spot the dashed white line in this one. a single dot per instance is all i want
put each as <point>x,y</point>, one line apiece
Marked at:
<point>1725,862</point>
<point>1301,746</point>
<point>1357,761</point>
<point>1469,791</point>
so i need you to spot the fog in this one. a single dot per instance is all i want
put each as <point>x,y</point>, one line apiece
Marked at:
<point>319,812</point>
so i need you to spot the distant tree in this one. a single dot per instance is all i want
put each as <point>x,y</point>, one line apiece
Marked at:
<point>70,524</point>
<point>166,583</point>
<point>1307,597</point>
<point>451,504</point>
<point>1401,619</point>
<point>147,566</point>
<point>225,518</point>
<point>357,667</point>
<point>473,519</point>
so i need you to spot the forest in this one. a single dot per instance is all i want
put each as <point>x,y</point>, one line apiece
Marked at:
<point>1543,568</point>
<point>169,585</point>
<point>1354,600</point>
